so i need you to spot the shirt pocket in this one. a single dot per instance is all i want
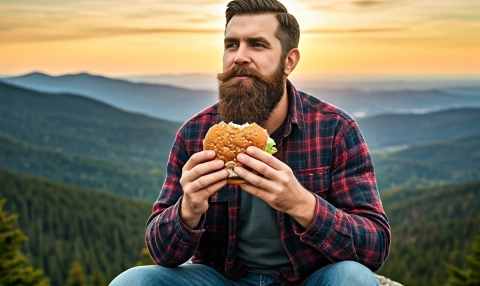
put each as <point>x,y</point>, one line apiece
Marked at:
<point>316,180</point>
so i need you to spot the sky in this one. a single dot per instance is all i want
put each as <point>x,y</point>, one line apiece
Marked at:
<point>149,37</point>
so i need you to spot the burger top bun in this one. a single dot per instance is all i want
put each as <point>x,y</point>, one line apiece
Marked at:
<point>229,140</point>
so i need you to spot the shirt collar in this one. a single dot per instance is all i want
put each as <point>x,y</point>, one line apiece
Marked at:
<point>295,106</point>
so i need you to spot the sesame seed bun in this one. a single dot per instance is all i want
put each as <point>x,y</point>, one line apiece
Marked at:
<point>229,140</point>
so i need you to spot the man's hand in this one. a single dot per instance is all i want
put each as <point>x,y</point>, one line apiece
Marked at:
<point>202,176</point>
<point>278,187</point>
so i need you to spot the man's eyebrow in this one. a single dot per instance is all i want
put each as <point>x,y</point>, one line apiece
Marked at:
<point>258,39</point>
<point>230,39</point>
<point>250,40</point>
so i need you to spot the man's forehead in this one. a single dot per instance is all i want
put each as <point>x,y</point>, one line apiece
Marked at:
<point>253,25</point>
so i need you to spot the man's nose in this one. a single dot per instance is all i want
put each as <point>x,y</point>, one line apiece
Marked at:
<point>242,57</point>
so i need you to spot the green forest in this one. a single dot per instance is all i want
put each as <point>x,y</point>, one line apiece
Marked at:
<point>105,233</point>
<point>64,224</point>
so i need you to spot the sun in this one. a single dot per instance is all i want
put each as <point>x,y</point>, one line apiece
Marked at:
<point>307,19</point>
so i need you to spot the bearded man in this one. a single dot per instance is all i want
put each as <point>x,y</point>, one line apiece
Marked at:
<point>308,215</point>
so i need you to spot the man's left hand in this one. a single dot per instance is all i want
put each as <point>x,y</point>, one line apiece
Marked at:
<point>278,186</point>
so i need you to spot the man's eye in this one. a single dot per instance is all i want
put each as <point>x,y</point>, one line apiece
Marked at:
<point>230,45</point>
<point>258,45</point>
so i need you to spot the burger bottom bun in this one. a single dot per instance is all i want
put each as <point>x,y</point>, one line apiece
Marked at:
<point>236,181</point>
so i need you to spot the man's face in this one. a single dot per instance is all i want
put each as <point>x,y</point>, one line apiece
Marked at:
<point>252,82</point>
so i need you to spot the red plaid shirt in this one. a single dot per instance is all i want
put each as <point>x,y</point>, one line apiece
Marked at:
<point>324,148</point>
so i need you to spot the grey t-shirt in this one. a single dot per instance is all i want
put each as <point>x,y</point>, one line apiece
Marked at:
<point>259,244</point>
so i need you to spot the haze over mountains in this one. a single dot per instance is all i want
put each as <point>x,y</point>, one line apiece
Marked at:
<point>159,101</point>
<point>178,104</point>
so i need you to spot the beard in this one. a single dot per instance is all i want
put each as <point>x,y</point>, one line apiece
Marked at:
<point>250,100</point>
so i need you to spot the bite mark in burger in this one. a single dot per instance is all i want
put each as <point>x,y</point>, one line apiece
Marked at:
<point>229,140</point>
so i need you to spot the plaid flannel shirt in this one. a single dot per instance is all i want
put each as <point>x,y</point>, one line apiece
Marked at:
<point>326,151</point>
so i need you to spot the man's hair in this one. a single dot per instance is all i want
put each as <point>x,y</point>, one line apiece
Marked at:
<point>288,31</point>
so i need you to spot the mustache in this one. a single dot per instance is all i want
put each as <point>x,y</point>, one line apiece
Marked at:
<point>240,71</point>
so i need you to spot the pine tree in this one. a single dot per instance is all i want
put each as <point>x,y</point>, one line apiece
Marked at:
<point>470,275</point>
<point>99,279</point>
<point>145,259</point>
<point>76,277</point>
<point>14,269</point>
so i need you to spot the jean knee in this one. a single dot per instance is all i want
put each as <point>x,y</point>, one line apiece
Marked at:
<point>139,275</point>
<point>343,273</point>
<point>356,273</point>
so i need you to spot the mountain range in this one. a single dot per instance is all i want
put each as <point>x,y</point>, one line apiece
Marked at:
<point>83,174</point>
<point>86,143</point>
<point>176,103</point>
<point>159,101</point>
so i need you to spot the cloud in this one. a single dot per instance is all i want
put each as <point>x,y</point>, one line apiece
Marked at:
<point>355,30</point>
<point>105,32</point>
<point>355,5</point>
<point>367,3</point>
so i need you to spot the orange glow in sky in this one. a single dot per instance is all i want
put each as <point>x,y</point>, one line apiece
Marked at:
<point>139,37</point>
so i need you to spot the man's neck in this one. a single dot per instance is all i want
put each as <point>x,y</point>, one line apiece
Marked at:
<point>279,113</point>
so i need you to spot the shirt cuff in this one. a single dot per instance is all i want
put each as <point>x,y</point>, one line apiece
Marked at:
<point>321,226</point>
<point>183,228</point>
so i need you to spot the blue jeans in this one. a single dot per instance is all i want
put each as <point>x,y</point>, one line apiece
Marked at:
<point>343,273</point>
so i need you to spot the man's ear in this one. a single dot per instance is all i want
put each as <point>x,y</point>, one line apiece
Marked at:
<point>291,61</point>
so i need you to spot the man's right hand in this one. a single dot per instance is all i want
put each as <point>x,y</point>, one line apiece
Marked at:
<point>202,176</point>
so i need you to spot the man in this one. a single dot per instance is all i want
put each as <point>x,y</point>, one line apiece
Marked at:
<point>310,214</point>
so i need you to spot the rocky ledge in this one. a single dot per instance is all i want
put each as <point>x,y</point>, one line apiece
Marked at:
<point>384,281</point>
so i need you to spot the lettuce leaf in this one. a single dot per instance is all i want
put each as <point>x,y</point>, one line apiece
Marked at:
<point>270,149</point>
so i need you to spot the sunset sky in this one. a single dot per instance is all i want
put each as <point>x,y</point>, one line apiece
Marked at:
<point>147,37</point>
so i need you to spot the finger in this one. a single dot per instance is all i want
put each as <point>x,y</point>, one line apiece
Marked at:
<point>203,175</point>
<point>254,179</point>
<point>203,194</point>
<point>256,164</point>
<point>198,158</point>
<point>263,156</point>
<point>211,183</point>
<point>200,169</point>
<point>262,194</point>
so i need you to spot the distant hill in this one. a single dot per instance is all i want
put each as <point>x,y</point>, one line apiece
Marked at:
<point>84,126</point>
<point>376,102</point>
<point>86,137</point>
<point>158,101</point>
<point>444,162</point>
<point>101,231</point>
<point>81,171</point>
<point>430,227</point>
<point>408,129</point>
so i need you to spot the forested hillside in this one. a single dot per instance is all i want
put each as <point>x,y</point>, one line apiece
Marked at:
<point>82,171</point>
<point>444,162</point>
<point>66,224</point>
<point>82,142</point>
<point>430,227</point>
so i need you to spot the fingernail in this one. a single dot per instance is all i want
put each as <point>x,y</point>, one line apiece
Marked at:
<point>240,157</point>
<point>249,149</point>
<point>211,153</point>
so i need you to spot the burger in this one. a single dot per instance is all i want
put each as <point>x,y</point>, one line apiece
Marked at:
<point>229,140</point>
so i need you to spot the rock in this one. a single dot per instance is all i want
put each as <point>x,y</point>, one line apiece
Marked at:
<point>384,281</point>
